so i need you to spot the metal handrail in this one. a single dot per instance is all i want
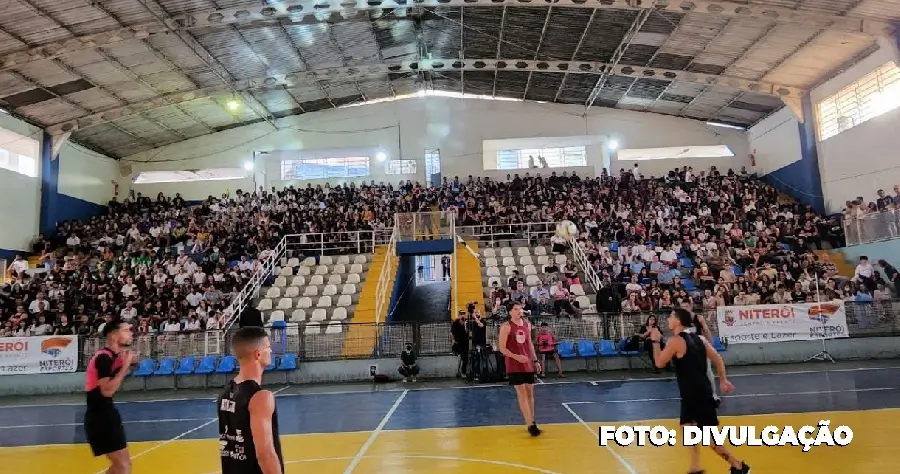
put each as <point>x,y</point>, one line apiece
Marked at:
<point>875,227</point>
<point>581,259</point>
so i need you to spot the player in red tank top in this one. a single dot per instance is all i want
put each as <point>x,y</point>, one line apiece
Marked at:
<point>521,362</point>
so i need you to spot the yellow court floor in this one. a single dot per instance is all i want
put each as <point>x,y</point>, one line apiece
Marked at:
<point>569,448</point>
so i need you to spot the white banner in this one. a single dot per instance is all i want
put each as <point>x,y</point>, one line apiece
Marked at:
<point>782,322</point>
<point>38,355</point>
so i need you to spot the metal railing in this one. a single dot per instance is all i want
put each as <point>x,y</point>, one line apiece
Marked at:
<point>528,233</point>
<point>383,287</point>
<point>307,340</point>
<point>429,225</point>
<point>590,274</point>
<point>874,227</point>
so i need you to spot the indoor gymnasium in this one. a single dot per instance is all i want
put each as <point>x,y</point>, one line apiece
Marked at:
<point>435,209</point>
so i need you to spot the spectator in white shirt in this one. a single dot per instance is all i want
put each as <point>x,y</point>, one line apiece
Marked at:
<point>864,273</point>
<point>129,312</point>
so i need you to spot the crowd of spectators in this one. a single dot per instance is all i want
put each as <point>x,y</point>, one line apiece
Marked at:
<point>867,221</point>
<point>704,239</point>
<point>171,266</point>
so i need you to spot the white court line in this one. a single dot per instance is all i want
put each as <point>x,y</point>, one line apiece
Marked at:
<point>538,379</point>
<point>395,390</point>
<point>378,429</point>
<point>743,395</point>
<point>169,420</point>
<point>596,435</point>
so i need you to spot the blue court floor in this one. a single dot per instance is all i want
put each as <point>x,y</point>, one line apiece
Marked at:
<point>360,420</point>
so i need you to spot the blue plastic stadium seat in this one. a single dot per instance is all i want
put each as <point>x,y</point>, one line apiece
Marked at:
<point>614,246</point>
<point>186,366</point>
<point>622,344</point>
<point>166,366</point>
<point>717,344</point>
<point>686,263</point>
<point>227,365</point>
<point>688,284</point>
<point>145,368</point>
<point>586,348</point>
<point>207,366</point>
<point>272,365</point>
<point>288,363</point>
<point>566,350</point>
<point>608,348</point>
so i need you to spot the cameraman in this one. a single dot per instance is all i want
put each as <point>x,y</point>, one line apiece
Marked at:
<point>460,332</point>
<point>408,367</point>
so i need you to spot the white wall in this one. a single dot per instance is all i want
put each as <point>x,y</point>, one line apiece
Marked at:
<point>458,127</point>
<point>20,209</point>
<point>865,158</point>
<point>775,141</point>
<point>89,176</point>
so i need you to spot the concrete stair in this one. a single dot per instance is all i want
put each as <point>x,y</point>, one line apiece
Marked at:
<point>360,338</point>
<point>468,277</point>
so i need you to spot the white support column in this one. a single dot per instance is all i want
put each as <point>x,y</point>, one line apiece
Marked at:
<point>796,106</point>
<point>57,141</point>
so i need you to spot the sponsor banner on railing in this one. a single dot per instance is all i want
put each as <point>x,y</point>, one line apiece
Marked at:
<point>38,355</point>
<point>782,322</point>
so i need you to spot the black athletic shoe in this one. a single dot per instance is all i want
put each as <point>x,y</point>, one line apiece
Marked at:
<point>533,430</point>
<point>697,472</point>
<point>744,469</point>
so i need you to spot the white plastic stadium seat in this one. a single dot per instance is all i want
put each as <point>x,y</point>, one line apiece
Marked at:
<point>326,260</point>
<point>324,302</point>
<point>490,262</point>
<point>529,270</point>
<point>339,269</point>
<point>360,259</point>
<point>293,262</point>
<point>305,302</point>
<point>298,316</point>
<point>339,314</point>
<point>322,270</point>
<point>540,251</point>
<point>303,271</point>
<point>334,327</point>
<point>299,280</point>
<point>316,280</point>
<point>576,290</point>
<point>281,281</point>
<point>292,292</point>
<point>311,291</point>
<point>584,303</point>
<point>356,268</point>
<point>543,260</point>
<point>334,280</point>
<point>344,300</point>
<point>509,262</point>
<point>524,252</point>
<point>509,271</point>
<point>276,316</point>
<point>532,280</point>
<point>506,252</point>
<point>286,271</point>
<point>491,281</point>
<point>264,305</point>
<point>526,260</point>
<point>309,262</point>
<point>560,259</point>
<point>353,278</point>
<point>273,292</point>
<point>493,272</point>
<point>343,260</point>
<point>348,289</point>
<point>312,330</point>
<point>329,290</point>
<point>285,303</point>
<point>318,314</point>
<point>488,253</point>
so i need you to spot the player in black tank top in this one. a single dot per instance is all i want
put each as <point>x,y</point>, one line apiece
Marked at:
<point>248,421</point>
<point>691,355</point>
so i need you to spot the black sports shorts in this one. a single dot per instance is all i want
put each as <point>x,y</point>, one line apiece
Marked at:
<point>104,431</point>
<point>699,411</point>
<point>521,378</point>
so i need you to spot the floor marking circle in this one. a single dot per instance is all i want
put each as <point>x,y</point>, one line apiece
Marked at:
<point>412,456</point>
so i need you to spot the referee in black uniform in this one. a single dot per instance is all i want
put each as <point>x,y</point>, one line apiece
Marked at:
<point>248,422</point>
<point>105,373</point>
<point>691,354</point>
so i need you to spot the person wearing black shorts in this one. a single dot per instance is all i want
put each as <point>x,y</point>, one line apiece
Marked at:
<point>691,354</point>
<point>105,373</point>
<point>521,362</point>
